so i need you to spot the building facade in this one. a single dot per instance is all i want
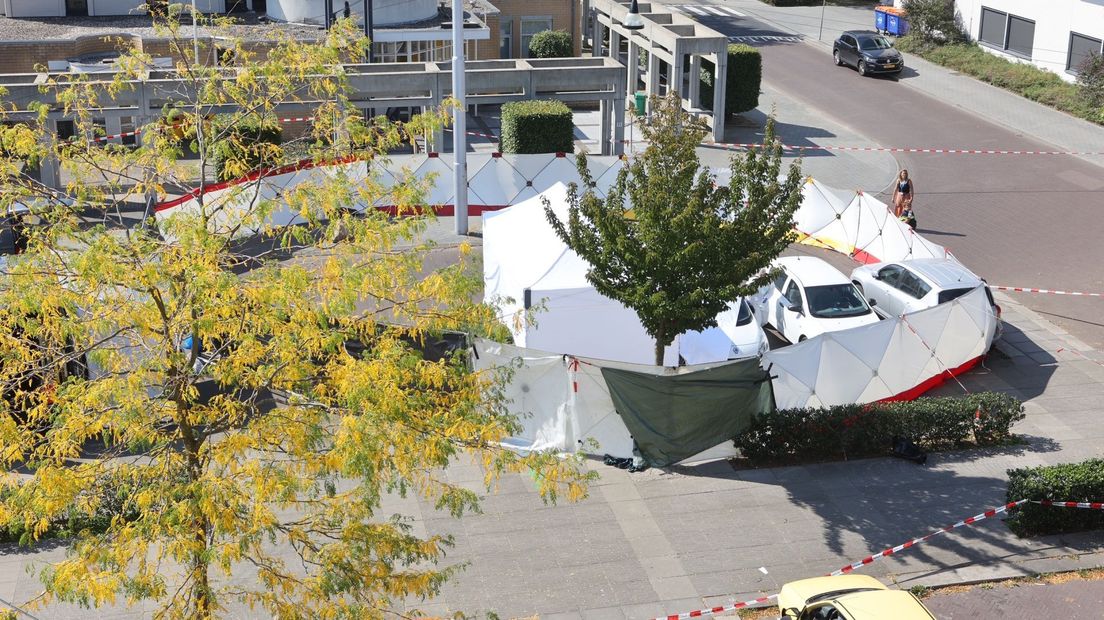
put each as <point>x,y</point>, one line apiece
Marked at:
<point>1056,35</point>
<point>94,8</point>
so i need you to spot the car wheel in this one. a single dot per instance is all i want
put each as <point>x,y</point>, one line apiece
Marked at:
<point>836,57</point>
<point>862,67</point>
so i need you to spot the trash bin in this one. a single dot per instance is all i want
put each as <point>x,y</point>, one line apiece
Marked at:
<point>879,19</point>
<point>641,103</point>
<point>896,25</point>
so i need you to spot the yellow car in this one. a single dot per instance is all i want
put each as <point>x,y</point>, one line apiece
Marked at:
<point>848,597</point>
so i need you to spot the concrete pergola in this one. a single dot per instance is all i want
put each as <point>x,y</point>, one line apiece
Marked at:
<point>374,87</point>
<point>667,37</point>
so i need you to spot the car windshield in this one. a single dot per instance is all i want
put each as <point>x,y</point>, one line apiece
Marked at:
<point>835,301</point>
<point>744,317</point>
<point>873,43</point>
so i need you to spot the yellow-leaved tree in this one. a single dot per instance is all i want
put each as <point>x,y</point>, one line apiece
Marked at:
<point>213,403</point>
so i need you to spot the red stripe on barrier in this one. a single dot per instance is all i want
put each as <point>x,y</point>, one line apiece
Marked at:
<point>933,382</point>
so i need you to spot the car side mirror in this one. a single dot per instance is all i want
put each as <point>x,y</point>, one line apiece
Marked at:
<point>877,276</point>
<point>872,302</point>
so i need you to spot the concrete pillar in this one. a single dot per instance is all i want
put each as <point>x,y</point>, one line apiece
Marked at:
<point>695,81</point>
<point>719,76</point>
<point>652,78</point>
<point>113,126</point>
<point>633,67</point>
<point>615,45</point>
<point>49,169</point>
<point>618,146</point>
<point>604,129</point>
<point>675,78</point>
<point>599,37</point>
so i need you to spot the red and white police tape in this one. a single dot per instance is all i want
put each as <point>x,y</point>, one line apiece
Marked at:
<point>698,613</point>
<point>892,149</point>
<point>1020,289</point>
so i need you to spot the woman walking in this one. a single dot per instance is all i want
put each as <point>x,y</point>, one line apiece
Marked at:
<point>903,194</point>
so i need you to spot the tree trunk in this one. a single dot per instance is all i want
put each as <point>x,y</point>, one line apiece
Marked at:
<point>201,586</point>
<point>660,344</point>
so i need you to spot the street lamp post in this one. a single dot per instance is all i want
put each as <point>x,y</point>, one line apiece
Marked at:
<point>369,26</point>
<point>821,33</point>
<point>459,125</point>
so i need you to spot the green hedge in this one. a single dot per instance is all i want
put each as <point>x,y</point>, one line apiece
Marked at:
<point>745,76</point>
<point>242,142</point>
<point>537,127</point>
<point>551,44</point>
<point>853,431</point>
<point>1071,482</point>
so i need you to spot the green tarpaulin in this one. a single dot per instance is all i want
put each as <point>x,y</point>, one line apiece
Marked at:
<point>674,417</point>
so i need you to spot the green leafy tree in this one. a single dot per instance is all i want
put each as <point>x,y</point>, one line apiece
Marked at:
<point>551,44</point>
<point>226,417</point>
<point>1090,79</point>
<point>934,21</point>
<point>670,243</point>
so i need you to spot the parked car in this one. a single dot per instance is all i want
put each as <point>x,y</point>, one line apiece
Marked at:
<point>867,51</point>
<point>848,597</point>
<point>740,336</point>
<point>907,286</point>
<point>810,297</point>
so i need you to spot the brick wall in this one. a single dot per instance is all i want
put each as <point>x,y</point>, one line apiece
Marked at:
<point>564,14</point>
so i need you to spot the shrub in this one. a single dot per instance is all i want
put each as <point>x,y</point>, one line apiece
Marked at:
<point>934,21</point>
<point>1071,482</point>
<point>744,77</point>
<point>537,127</point>
<point>246,146</point>
<point>551,44</point>
<point>852,431</point>
<point>1090,77</point>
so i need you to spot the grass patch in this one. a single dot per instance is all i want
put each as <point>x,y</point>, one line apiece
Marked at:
<point>1025,80</point>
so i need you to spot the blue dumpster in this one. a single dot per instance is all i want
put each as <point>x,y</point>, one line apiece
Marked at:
<point>879,20</point>
<point>896,25</point>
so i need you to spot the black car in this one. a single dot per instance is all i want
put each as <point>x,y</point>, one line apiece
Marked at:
<point>867,51</point>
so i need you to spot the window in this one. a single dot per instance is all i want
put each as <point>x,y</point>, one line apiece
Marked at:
<point>780,281</point>
<point>744,317</point>
<point>890,274</point>
<point>952,294</point>
<point>531,26</point>
<point>836,301</point>
<point>848,40</point>
<point>1021,35</point>
<point>793,295</point>
<point>913,286</point>
<point>1010,33</point>
<point>506,39</point>
<point>1080,48</point>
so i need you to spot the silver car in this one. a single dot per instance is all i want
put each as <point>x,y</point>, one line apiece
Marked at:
<point>899,288</point>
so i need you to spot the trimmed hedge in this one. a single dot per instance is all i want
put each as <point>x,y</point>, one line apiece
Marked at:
<point>551,44</point>
<point>854,431</point>
<point>537,127</point>
<point>243,143</point>
<point>744,79</point>
<point>1070,482</point>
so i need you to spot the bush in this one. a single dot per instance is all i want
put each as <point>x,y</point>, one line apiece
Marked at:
<point>1024,79</point>
<point>1090,77</point>
<point>744,77</point>
<point>243,145</point>
<point>537,127</point>
<point>934,21</point>
<point>852,431</point>
<point>1072,482</point>
<point>551,44</point>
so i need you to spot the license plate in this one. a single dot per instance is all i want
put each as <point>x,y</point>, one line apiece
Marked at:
<point>891,66</point>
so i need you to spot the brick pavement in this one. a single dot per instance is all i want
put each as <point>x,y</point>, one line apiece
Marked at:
<point>1077,599</point>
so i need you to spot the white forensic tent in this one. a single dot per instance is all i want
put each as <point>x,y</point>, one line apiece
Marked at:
<point>524,260</point>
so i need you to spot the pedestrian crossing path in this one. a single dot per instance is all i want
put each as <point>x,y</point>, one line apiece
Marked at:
<point>766,38</point>
<point>706,10</point>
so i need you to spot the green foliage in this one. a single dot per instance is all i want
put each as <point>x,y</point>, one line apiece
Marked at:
<point>551,44</point>
<point>853,431</point>
<point>1024,79</point>
<point>537,127</point>
<point>1090,77</point>
<point>743,81</point>
<point>1070,482</point>
<point>934,21</point>
<point>667,241</point>
<point>243,144</point>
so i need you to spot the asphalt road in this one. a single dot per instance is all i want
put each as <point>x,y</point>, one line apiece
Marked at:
<point>1030,221</point>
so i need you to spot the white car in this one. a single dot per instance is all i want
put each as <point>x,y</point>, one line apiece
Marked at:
<point>810,297</point>
<point>737,335</point>
<point>907,286</point>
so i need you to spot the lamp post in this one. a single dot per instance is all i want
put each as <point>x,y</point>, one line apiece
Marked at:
<point>369,26</point>
<point>633,21</point>
<point>459,125</point>
<point>821,33</point>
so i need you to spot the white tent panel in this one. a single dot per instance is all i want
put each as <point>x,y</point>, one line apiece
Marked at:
<point>440,192</point>
<point>537,395</point>
<point>559,170</point>
<point>497,183</point>
<point>529,166</point>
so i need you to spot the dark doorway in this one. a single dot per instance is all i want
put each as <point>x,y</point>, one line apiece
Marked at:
<point>76,8</point>
<point>236,6</point>
<point>260,6</point>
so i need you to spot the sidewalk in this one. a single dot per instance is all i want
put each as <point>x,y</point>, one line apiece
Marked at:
<point>1064,132</point>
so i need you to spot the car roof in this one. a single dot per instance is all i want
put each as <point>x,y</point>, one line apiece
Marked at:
<point>943,272</point>
<point>806,589</point>
<point>875,605</point>
<point>811,271</point>
<point>862,32</point>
